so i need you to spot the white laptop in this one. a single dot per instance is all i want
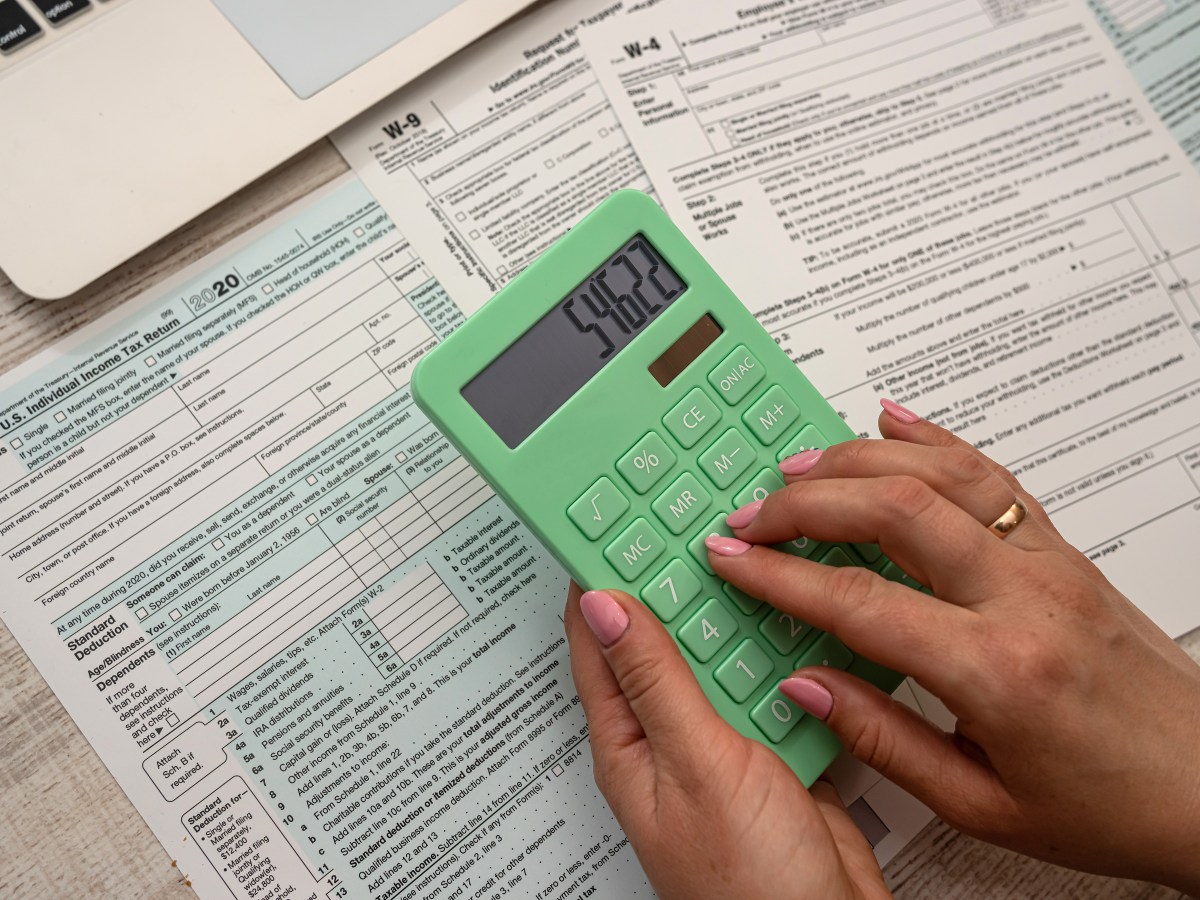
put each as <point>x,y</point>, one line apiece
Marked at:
<point>120,120</point>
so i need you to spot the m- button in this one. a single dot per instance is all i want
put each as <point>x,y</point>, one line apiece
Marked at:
<point>691,418</point>
<point>736,375</point>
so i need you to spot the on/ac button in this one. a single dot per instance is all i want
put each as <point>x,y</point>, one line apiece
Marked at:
<point>736,374</point>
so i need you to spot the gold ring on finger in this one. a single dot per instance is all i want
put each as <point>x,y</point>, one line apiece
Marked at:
<point>1012,517</point>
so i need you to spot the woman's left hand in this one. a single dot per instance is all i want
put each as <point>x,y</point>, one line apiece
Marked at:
<point>710,813</point>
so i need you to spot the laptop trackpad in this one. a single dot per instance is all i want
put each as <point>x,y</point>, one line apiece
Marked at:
<point>312,43</point>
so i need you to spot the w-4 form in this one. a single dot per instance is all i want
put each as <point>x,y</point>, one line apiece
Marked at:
<point>966,205</point>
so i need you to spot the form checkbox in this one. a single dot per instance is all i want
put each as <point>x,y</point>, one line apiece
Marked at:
<point>603,132</point>
<point>151,361</point>
<point>500,270</point>
<point>60,416</point>
<point>218,544</point>
<point>311,479</point>
<point>358,232</point>
<point>176,615</point>
<point>474,233</point>
<point>16,443</point>
<point>268,289</point>
<point>172,720</point>
<point>557,770</point>
<point>549,164</point>
<point>401,456</point>
<point>460,216</point>
<point>312,519</point>
<point>141,613</point>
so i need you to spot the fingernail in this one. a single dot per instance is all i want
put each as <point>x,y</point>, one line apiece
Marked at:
<point>725,546</point>
<point>810,696</point>
<point>899,413</point>
<point>744,515</point>
<point>604,616</point>
<point>799,463</point>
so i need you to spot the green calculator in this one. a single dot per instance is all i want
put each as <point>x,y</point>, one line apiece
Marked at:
<point>623,401</point>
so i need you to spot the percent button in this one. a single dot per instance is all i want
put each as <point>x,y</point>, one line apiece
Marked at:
<point>646,462</point>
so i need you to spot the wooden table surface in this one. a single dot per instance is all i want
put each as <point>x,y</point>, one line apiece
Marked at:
<point>66,828</point>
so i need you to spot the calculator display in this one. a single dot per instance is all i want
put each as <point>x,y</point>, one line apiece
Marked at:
<point>522,387</point>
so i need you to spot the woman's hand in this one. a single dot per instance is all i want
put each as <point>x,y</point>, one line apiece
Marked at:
<point>710,814</point>
<point>1078,737</point>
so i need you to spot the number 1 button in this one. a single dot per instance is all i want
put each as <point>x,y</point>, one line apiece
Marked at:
<point>598,509</point>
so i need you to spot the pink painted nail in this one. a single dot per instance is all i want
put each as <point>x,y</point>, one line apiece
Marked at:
<point>725,546</point>
<point>899,413</point>
<point>810,696</point>
<point>604,616</point>
<point>744,515</point>
<point>799,463</point>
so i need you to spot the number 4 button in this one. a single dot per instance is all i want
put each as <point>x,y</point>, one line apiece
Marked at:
<point>708,630</point>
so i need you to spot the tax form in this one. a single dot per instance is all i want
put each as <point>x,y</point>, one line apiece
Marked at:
<point>318,654</point>
<point>966,205</point>
<point>491,159</point>
<point>1160,42</point>
<point>494,155</point>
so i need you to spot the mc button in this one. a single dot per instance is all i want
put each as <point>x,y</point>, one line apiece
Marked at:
<point>634,549</point>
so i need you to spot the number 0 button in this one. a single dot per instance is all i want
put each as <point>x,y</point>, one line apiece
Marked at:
<point>746,668</point>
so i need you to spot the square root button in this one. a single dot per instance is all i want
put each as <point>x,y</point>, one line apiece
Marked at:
<point>598,509</point>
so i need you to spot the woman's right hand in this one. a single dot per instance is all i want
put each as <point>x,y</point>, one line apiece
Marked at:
<point>1078,737</point>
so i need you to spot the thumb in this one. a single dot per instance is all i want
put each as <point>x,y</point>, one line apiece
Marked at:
<point>661,690</point>
<point>898,743</point>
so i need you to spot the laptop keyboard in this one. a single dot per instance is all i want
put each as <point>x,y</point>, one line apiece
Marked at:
<point>21,21</point>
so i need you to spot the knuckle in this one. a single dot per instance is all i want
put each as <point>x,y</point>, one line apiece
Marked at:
<point>872,743</point>
<point>966,468</point>
<point>640,678</point>
<point>1036,660</point>
<point>850,587</point>
<point>850,456</point>
<point>905,497</point>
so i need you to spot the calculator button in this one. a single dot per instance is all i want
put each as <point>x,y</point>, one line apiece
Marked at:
<point>634,549</point>
<point>826,651</point>
<point>765,482</point>
<point>682,503</point>
<point>691,418</point>
<point>716,525</point>
<point>838,556</point>
<point>671,590</point>
<point>770,415</point>
<point>708,630</point>
<point>743,601</point>
<point>744,670</point>
<point>893,572</point>
<point>776,715</point>
<point>783,631</point>
<point>803,547</point>
<point>736,375</point>
<point>598,509</point>
<point>728,458</point>
<point>869,552</point>
<point>809,438</point>
<point>649,460</point>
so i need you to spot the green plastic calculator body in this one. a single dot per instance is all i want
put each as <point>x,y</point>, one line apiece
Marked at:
<point>622,400</point>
